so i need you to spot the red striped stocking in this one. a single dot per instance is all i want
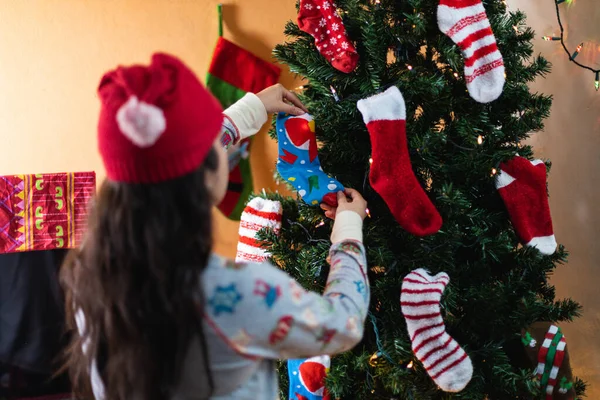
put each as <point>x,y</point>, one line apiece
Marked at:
<point>445,361</point>
<point>466,23</point>
<point>259,213</point>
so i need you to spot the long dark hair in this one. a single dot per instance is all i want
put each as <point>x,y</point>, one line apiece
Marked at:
<point>136,281</point>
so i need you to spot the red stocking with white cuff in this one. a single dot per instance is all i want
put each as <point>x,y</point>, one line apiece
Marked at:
<point>522,185</point>
<point>391,172</point>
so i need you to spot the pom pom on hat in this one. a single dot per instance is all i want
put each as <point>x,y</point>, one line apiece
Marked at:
<point>142,123</point>
<point>156,123</point>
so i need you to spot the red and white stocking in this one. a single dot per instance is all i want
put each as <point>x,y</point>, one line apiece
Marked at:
<point>391,172</point>
<point>443,358</point>
<point>466,23</point>
<point>320,19</point>
<point>259,213</point>
<point>522,185</point>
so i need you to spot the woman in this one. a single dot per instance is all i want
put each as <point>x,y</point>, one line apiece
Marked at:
<point>158,316</point>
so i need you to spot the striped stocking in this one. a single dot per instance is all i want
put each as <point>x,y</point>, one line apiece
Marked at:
<point>550,359</point>
<point>259,213</point>
<point>445,361</point>
<point>466,23</point>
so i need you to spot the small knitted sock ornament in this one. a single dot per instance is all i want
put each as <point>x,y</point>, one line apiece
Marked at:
<point>307,378</point>
<point>391,172</point>
<point>320,19</point>
<point>522,185</point>
<point>466,23</point>
<point>259,213</point>
<point>445,361</point>
<point>299,163</point>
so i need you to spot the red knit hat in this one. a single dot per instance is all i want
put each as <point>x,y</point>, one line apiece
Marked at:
<point>157,122</point>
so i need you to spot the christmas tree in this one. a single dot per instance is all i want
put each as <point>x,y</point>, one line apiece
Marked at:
<point>464,136</point>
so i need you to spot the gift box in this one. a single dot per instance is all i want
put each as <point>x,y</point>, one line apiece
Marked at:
<point>44,211</point>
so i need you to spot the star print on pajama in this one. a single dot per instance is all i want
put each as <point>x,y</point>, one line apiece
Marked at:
<point>225,299</point>
<point>298,162</point>
<point>360,288</point>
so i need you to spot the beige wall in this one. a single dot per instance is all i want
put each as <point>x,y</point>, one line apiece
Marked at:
<point>53,52</point>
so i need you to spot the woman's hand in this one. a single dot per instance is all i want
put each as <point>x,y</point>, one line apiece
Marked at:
<point>278,99</point>
<point>355,203</point>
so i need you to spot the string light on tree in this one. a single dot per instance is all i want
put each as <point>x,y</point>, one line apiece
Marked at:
<point>335,95</point>
<point>479,139</point>
<point>374,360</point>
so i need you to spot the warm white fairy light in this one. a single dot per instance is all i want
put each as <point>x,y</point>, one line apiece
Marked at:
<point>371,160</point>
<point>409,67</point>
<point>494,171</point>
<point>479,139</point>
<point>334,92</point>
<point>456,75</point>
<point>321,224</point>
<point>368,213</point>
<point>410,365</point>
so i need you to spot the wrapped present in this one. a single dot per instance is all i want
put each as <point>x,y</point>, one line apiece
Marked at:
<point>546,348</point>
<point>44,211</point>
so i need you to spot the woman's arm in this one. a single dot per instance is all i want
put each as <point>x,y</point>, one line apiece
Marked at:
<point>245,117</point>
<point>243,120</point>
<point>262,312</point>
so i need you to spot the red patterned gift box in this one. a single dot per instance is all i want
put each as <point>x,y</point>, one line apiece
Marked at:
<point>44,211</point>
